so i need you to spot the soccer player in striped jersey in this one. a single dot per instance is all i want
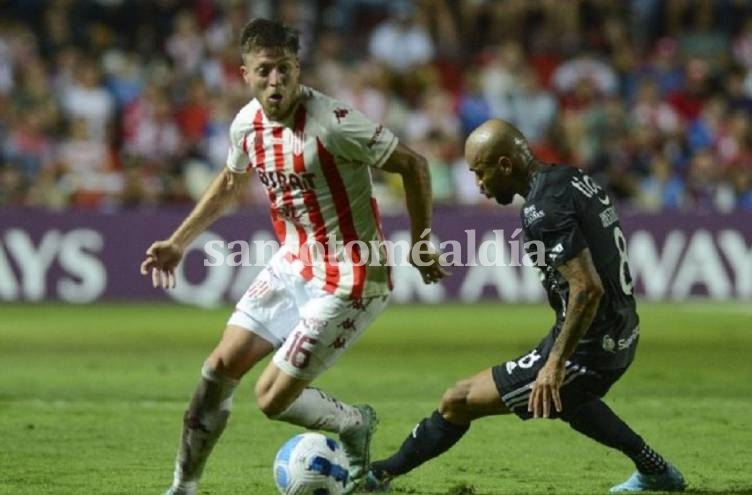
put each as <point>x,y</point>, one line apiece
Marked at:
<point>313,155</point>
<point>593,340</point>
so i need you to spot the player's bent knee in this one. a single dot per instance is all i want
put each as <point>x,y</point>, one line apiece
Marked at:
<point>237,352</point>
<point>265,402</point>
<point>218,362</point>
<point>475,399</point>
<point>454,403</point>
<point>268,406</point>
<point>272,405</point>
<point>214,361</point>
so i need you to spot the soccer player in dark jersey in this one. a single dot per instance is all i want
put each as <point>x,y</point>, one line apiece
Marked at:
<point>593,340</point>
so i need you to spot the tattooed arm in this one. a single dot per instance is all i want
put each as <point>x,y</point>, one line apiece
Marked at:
<point>585,292</point>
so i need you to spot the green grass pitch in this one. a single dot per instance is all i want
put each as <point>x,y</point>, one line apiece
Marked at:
<point>91,400</point>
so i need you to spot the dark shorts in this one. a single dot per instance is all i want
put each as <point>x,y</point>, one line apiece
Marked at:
<point>582,384</point>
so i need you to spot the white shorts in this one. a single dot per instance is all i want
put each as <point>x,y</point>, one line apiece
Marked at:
<point>310,328</point>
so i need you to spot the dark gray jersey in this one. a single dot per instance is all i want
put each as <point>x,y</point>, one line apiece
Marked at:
<point>567,211</point>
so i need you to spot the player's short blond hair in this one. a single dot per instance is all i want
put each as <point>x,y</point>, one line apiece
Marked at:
<point>263,33</point>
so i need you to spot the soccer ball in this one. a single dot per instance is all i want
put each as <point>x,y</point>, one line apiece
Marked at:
<point>311,464</point>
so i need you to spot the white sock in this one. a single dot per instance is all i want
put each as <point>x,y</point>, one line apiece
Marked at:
<point>188,487</point>
<point>316,410</point>
<point>210,406</point>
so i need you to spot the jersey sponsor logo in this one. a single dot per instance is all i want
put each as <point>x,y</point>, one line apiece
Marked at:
<point>290,213</point>
<point>626,343</point>
<point>590,188</point>
<point>608,344</point>
<point>531,215</point>
<point>287,181</point>
<point>608,217</point>
<point>376,137</point>
<point>611,345</point>
<point>341,113</point>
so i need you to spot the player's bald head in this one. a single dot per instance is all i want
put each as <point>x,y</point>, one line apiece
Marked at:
<point>495,138</point>
<point>499,156</point>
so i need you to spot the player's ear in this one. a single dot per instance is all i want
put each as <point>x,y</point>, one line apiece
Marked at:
<point>245,73</point>
<point>505,165</point>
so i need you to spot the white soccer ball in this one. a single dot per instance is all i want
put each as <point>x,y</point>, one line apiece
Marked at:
<point>311,464</point>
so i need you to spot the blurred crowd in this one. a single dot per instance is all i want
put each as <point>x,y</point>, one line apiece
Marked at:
<point>112,104</point>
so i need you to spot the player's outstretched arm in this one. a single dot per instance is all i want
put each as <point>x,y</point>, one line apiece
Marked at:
<point>585,292</point>
<point>163,257</point>
<point>416,180</point>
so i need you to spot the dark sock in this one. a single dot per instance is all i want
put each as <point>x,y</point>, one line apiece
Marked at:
<point>649,461</point>
<point>432,437</point>
<point>597,421</point>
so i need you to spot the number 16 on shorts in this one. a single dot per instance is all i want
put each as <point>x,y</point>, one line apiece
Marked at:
<point>299,352</point>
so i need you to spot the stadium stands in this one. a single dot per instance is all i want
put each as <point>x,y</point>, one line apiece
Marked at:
<point>127,103</point>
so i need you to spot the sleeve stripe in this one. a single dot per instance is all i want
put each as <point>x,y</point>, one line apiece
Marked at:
<point>387,153</point>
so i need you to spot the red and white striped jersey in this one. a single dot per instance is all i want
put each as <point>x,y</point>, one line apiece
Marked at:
<point>315,168</point>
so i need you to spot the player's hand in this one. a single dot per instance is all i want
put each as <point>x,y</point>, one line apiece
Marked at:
<point>429,266</point>
<point>161,259</point>
<point>546,390</point>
